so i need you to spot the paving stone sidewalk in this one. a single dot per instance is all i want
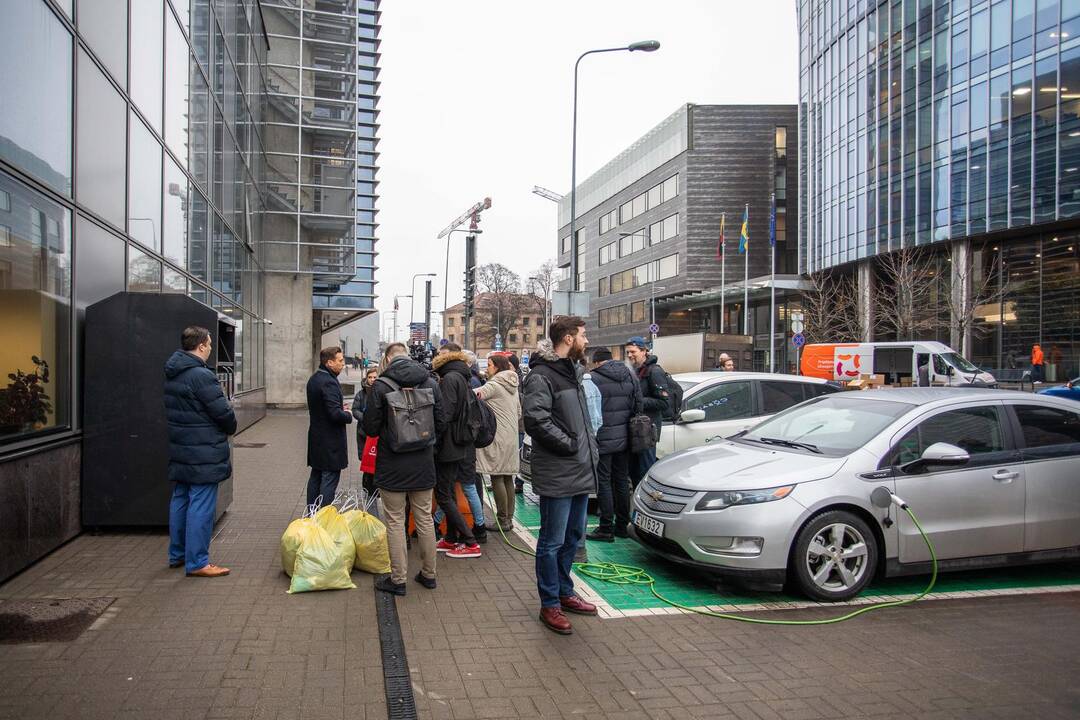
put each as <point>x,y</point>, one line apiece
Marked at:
<point>240,647</point>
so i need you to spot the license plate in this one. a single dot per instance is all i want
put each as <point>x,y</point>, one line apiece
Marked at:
<point>649,525</point>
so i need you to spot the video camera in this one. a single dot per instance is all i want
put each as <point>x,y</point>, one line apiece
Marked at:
<point>422,353</point>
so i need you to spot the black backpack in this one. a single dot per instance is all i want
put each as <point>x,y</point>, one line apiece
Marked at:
<point>410,417</point>
<point>476,425</point>
<point>674,395</point>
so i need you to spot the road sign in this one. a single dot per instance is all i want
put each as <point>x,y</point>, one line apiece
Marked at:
<point>798,339</point>
<point>796,322</point>
<point>443,342</point>
<point>654,328</point>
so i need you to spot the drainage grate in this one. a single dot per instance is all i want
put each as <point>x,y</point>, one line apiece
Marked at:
<point>248,445</point>
<point>400,703</point>
<point>49,619</point>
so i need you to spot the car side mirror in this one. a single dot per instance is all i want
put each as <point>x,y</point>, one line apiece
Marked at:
<point>951,371</point>
<point>939,454</point>
<point>692,416</point>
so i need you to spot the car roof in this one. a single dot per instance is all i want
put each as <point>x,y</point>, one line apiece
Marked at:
<point>945,395</point>
<point>707,375</point>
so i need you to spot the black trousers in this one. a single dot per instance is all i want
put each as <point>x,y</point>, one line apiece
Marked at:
<point>613,491</point>
<point>447,473</point>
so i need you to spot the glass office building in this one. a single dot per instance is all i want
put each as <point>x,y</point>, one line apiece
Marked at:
<point>131,158</point>
<point>954,125</point>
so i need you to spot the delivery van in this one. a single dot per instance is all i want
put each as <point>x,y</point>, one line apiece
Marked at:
<point>920,364</point>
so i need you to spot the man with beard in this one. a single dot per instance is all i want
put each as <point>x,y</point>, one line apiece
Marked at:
<point>564,464</point>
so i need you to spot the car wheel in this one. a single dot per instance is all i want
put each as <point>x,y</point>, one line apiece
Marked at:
<point>835,556</point>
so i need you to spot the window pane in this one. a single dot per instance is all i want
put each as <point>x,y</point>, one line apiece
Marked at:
<point>777,396</point>
<point>101,132</point>
<point>35,79</point>
<point>144,190</point>
<point>144,272</point>
<point>724,401</point>
<point>671,187</point>
<point>35,303</point>
<point>175,220</point>
<point>1045,426</point>
<point>179,65</point>
<point>103,24</point>
<point>146,29</point>
<point>976,430</point>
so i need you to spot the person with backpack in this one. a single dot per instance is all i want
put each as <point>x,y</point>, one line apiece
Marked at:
<point>564,460</point>
<point>404,410</point>
<point>456,454</point>
<point>662,398</point>
<point>620,396</point>
<point>500,459</point>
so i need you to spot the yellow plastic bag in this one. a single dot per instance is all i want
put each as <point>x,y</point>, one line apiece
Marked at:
<point>330,520</point>
<point>369,536</point>
<point>318,552</point>
<point>292,539</point>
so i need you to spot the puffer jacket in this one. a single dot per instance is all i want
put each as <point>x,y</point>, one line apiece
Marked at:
<point>402,472</point>
<point>200,421</point>
<point>502,396</point>
<point>620,396</point>
<point>654,391</point>
<point>564,452</point>
<point>454,377</point>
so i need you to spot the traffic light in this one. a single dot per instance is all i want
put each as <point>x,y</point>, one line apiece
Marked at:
<point>470,291</point>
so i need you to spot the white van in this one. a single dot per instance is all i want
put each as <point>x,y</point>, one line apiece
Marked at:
<point>924,363</point>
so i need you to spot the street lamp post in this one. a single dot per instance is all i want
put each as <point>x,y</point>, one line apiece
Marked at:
<point>547,298</point>
<point>412,289</point>
<point>446,277</point>
<point>652,302</point>
<point>644,46</point>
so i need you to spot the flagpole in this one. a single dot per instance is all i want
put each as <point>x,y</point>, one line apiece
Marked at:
<point>723,271</point>
<point>746,277</point>
<point>772,281</point>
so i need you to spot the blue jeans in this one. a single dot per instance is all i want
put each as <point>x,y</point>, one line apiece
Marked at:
<point>562,526</point>
<point>322,482</point>
<point>475,506</point>
<point>191,523</point>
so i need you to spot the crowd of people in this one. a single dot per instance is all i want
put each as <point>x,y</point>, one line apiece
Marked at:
<point>439,429</point>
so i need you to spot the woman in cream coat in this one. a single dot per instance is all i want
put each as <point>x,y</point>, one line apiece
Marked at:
<point>500,458</point>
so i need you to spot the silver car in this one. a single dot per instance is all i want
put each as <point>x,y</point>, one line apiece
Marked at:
<point>992,475</point>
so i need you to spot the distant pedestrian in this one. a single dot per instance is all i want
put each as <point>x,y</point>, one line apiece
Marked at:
<point>500,460</point>
<point>564,460</point>
<point>519,484</point>
<point>722,361</point>
<point>359,404</point>
<point>404,477</point>
<point>656,397</point>
<point>456,455</point>
<point>1038,373</point>
<point>200,421</point>
<point>327,443</point>
<point>621,399</point>
<point>476,379</point>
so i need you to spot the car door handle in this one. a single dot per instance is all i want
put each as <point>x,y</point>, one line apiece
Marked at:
<point>1005,476</point>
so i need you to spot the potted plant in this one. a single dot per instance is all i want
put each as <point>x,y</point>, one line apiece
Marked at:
<point>24,404</point>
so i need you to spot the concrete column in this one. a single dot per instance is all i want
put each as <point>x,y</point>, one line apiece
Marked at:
<point>865,278</point>
<point>960,270</point>
<point>290,353</point>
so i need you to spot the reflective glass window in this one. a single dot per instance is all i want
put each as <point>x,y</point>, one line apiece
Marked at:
<point>179,66</point>
<point>99,265</point>
<point>176,201</point>
<point>144,186</point>
<point>146,58</point>
<point>103,24</point>
<point>101,131</point>
<point>35,79</point>
<point>144,271</point>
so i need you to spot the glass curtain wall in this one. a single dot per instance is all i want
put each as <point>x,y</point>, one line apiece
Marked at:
<point>113,179</point>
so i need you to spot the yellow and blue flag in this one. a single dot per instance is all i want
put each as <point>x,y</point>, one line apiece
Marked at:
<point>772,221</point>
<point>744,234</point>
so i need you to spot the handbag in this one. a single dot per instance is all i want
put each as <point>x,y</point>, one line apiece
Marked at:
<point>371,450</point>
<point>642,436</point>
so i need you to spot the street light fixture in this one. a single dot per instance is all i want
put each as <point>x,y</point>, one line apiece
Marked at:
<point>652,302</point>
<point>642,45</point>
<point>412,289</point>
<point>446,277</point>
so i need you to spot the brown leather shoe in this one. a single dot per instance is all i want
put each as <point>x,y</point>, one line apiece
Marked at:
<point>210,571</point>
<point>575,604</point>
<point>554,620</point>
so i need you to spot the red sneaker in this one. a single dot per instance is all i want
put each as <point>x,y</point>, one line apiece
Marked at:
<point>554,620</point>
<point>464,551</point>
<point>444,546</point>
<point>575,604</point>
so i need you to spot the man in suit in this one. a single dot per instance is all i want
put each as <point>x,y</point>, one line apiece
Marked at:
<point>328,445</point>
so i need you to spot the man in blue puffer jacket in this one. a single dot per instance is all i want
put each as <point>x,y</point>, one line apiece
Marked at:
<point>200,421</point>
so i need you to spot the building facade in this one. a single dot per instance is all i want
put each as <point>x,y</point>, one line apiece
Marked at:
<point>648,227</point>
<point>953,126</point>
<point>522,334</point>
<point>131,158</point>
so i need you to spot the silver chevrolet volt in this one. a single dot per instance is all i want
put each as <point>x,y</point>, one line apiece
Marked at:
<point>992,475</point>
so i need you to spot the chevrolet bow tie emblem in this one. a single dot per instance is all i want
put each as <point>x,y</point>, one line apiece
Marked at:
<point>656,495</point>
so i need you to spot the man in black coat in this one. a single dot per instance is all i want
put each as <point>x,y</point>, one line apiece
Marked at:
<point>656,398</point>
<point>327,442</point>
<point>200,421</point>
<point>456,456</point>
<point>405,476</point>
<point>620,396</point>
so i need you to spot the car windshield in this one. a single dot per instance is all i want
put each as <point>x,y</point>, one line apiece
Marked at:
<point>959,362</point>
<point>832,425</point>
<point>687,384</point>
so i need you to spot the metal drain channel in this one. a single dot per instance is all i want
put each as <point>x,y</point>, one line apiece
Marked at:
<point>400,703</point>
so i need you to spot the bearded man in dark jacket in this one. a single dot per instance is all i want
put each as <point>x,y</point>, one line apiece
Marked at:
<point>405,476</point>
<point>200,421</point>
<point>564,461</point>
<point>656,397</point>
<point>620,397</point>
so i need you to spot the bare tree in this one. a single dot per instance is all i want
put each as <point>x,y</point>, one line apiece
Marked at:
<point>541,283</point>
<point>973,289</point>
<point>831,308</point>
<point>903,300</point>
<point>500,303</point>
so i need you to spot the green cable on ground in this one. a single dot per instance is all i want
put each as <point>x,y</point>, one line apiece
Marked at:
<point>619,574</point>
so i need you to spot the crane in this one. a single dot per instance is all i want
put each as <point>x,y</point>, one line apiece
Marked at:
<point>472,215</point>
<point>545,193</point>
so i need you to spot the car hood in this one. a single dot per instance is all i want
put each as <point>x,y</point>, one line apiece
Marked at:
<point>728,465</point>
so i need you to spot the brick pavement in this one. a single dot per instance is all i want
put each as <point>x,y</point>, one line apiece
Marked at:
<point>240,647</point>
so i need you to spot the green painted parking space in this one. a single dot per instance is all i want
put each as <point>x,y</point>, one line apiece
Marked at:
<point>690,588</point>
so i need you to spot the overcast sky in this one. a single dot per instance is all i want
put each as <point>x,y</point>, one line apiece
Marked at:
<point>477,100</point>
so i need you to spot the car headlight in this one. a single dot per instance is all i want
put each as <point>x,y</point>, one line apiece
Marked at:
<point>727,498</point>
